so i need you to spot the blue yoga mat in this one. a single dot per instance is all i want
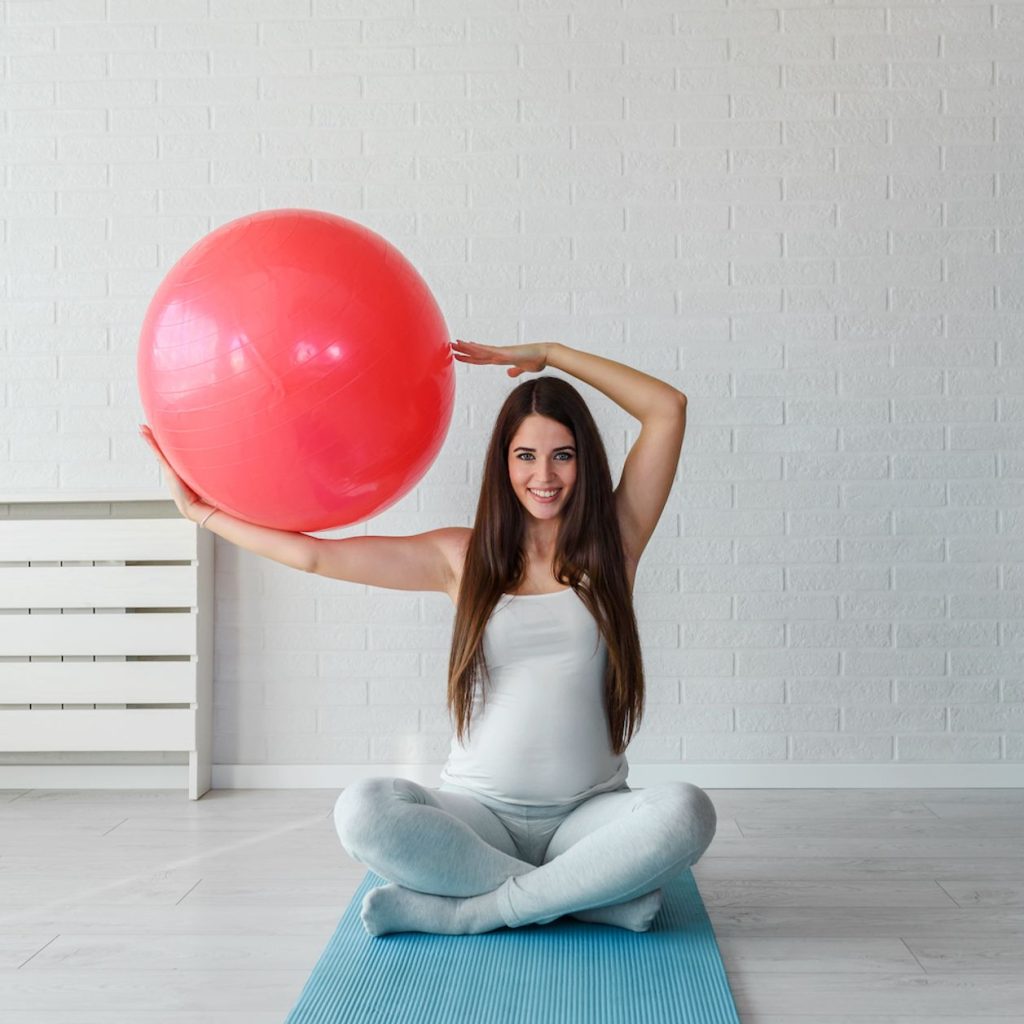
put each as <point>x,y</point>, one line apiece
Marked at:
<point>565,972</point>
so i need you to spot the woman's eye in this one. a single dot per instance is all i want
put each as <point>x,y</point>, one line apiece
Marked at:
<point>525,455</point>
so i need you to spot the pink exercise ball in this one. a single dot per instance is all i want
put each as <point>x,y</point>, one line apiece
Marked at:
<point>296,370</point>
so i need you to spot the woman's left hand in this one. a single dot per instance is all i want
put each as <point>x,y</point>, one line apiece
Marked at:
<point>524,358</point>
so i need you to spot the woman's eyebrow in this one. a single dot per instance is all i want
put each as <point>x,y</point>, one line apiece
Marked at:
<point>563,447</point>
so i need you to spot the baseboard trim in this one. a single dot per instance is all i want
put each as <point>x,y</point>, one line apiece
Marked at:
<point>94,776</point>
<point>707,776</point>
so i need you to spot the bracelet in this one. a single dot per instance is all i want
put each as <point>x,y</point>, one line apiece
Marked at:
<point>208,514</point>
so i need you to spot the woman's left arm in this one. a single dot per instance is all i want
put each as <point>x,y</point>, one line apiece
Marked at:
<point>650,466</point>
<point>638,393</point>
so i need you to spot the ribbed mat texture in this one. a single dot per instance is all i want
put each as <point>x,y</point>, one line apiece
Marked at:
<point>566,972</point>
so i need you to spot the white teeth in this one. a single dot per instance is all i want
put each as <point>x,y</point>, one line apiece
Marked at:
<point>542,494</point>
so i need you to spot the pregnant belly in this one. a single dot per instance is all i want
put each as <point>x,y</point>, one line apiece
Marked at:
<point>537,758</point>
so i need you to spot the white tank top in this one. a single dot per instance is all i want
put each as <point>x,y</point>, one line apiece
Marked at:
<point>542,735</point>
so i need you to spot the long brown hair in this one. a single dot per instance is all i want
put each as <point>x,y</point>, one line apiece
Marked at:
<point>589,556</point>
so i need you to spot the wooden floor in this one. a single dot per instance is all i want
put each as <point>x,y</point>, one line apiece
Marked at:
<point>830,906</point>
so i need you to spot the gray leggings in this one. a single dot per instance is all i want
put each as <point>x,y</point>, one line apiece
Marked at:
<point>608,849</point>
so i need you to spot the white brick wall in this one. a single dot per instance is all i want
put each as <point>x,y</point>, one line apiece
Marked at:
<point>808,218</point>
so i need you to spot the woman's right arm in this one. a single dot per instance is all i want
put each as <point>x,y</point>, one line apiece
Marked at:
<point>420,562</point>
<point>297,550</point>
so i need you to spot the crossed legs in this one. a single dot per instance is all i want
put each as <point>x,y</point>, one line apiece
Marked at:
<point>605,861</point>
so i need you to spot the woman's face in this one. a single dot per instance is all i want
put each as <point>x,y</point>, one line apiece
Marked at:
<point>542,457</point>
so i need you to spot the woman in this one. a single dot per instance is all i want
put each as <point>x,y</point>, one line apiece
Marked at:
<point>534,818</point>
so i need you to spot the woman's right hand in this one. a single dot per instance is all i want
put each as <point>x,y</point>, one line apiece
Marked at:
<point>189,503</point>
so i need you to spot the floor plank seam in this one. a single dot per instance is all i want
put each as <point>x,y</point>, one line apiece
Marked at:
<point>914,955</point>
<point>191,890</point>
<point>38,951</point>
<point>948,895</point>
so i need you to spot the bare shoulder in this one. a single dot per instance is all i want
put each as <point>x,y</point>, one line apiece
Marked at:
<point>455,541</point>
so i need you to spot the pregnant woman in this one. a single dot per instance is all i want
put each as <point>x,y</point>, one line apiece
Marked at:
<point>534,819</point>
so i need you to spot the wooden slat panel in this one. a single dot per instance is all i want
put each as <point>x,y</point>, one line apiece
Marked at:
<point>83,586</point>
<point>109,634</point>
<point>135,729</point>
<point>23,636</point>
<point>200,768</point>
<point>97,540</point>
<point>97,682</point>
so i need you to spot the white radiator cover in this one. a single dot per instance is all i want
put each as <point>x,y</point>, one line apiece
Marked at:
<point>106,638</point>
